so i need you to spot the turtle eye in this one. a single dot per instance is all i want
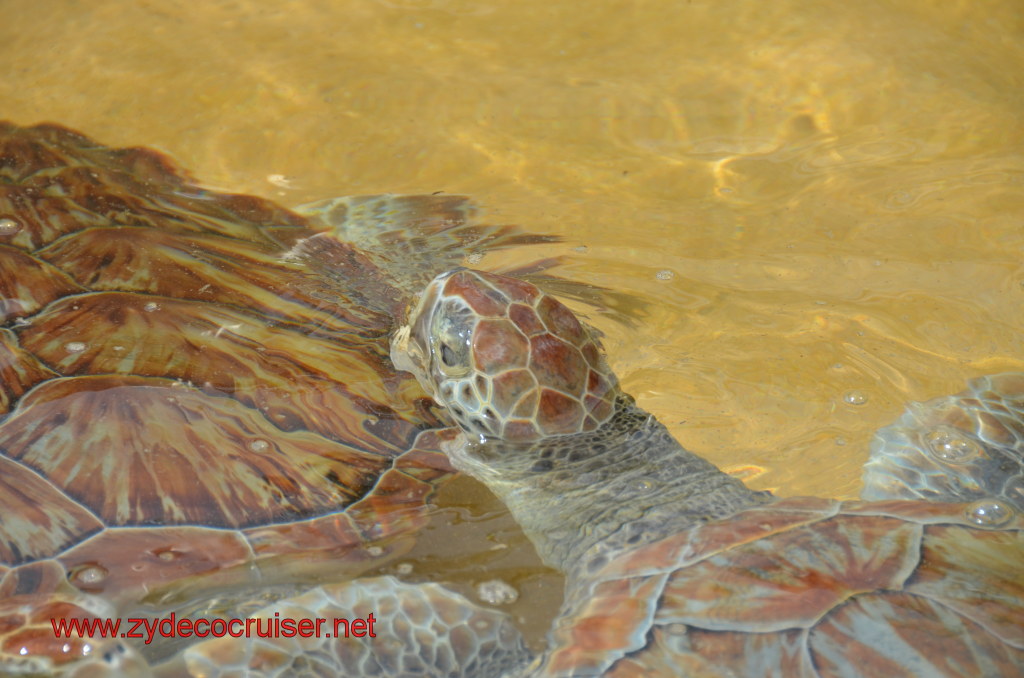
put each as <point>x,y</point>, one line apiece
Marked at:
<point>447,355</point>
<point>453,356</point>
<point>450,344</point>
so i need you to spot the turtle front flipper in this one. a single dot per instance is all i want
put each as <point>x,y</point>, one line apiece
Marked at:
<point>964,447</point>
<point>416,237</point>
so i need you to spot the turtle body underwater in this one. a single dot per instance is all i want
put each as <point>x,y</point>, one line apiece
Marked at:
<point>673,567</point>
<point>196,391</point>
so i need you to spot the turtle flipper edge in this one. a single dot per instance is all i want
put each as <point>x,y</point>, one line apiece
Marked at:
<point>963,447</point>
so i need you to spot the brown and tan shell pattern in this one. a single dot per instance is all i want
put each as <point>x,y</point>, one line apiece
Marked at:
<point>178,399</point>
<point>811,588</point>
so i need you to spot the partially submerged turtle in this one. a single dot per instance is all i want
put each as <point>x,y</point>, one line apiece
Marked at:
<point>676,568</point>
<point>196,389</point>
<point>198,383</point>
<point>673,567</point>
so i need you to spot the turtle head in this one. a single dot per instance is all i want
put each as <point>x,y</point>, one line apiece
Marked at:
<point>508,361</point>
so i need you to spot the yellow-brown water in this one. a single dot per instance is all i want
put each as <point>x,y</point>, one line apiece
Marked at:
<point>817,202</point>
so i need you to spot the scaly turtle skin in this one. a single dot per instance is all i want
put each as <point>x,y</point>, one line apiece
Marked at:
<point>195,389</point>
<point>675,568</point>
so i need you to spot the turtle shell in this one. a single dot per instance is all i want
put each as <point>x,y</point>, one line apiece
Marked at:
<point>808,587</point>
<point>192,382</point>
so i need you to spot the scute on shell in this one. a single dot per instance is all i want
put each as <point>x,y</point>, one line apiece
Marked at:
<point>211,268</point>
<point>27,283</point>
<point>182,456</point>
<point>295,377</point>
<point>19,370</point>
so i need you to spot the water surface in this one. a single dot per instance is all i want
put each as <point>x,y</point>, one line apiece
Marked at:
<point>819,207</point>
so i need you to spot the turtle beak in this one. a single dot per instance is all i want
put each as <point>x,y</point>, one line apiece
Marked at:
<point>401,354</point>
<point>410,345</point>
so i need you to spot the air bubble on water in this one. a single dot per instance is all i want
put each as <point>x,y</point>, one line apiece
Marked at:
<point>989,513</point>
<point>582,249</point>
<point>642,484</point>
<point>840,440</point>
<point>259,445</point>
<point>855,397</point>
<point>375,551</point>
<point>496,592</point>
<point>474,258</point>
<point>951,445</point>
<point>9,226</point>
<point>404,568</point>
<point>151,306</point>
<point>75,346</point>
<point>91,575</point>
<point>665,274</point>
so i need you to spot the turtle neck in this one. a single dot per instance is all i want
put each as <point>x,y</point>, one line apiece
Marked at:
<point>584,498</point>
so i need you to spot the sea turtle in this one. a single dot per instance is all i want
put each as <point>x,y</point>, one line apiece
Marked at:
<point>676,568</point>
<point>196,391</point>
<point>673,567</point>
